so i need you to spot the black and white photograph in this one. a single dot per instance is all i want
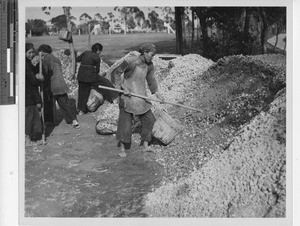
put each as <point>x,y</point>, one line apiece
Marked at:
<point>151,113</point>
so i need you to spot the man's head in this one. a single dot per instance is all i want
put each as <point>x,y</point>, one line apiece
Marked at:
<point>45,49</point>
<point>97,48</point>
<point>29,50</point>
<point>148,50</point>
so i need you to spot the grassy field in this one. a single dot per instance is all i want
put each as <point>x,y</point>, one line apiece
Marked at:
<point>114,46</point>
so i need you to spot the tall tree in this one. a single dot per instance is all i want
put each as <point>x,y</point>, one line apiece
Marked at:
<point>153,17</point>
<point>128,12</point>
<point>98,17</point>
<point>193,27</point>
<point>168,14</point>
<point>29,26</point>
<point>139,17</point>
<point>67,13</point>
<point>146,24</point>
<point>246,33</point>
<point>111,16</point>
<point>37,27</point>
<point>179,39</point>
<point>111,21</point>
<point>124,11</point>
<point>131,23</point>
<point>59,22</point>
<point>203,15</point>
<point>86,18</point>
<point>264,31</point>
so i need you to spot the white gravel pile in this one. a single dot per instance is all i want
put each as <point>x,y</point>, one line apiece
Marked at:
<point>247,180</point>
<point>181,77</point>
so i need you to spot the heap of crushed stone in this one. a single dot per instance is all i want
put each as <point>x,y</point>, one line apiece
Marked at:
<point>230,160</point>
<point>227,169</point>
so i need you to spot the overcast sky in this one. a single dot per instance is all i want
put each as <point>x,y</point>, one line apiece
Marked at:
<point>37,13</point>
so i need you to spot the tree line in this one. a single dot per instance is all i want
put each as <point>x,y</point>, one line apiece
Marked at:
<point>213,32</point>
<point>133,18</point>
<point>228,30</point>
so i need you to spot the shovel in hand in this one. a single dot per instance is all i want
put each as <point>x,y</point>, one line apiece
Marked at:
<point>149,98</point>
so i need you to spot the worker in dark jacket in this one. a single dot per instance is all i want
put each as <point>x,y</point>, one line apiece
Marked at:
<point>88,77</point>
<point>33,101</point>
<point>56,86</point>
<point>137,70</point>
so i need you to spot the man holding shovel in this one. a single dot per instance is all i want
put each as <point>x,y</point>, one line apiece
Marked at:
<point>137,70</point>
<point>56,85</point>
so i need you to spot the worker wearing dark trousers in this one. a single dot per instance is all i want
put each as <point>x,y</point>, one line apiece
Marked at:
<point>56,85</point>
<point>125,125</point>
<point>49,107</point>
<point>84,89</point>
<point>88,77</point>
<point>33,101</point>
<point>68,111</point>
<point>137,70</point>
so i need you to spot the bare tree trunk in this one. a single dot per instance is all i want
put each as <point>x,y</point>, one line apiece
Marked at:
<point>183,27</point>
<point>71,45</point>
<point>263,31</point>
<point>178,19</point>
<point>125,25</point>
<point>202,16</point>
<point>193,29</point>
<point>198,28</point>
<point>89,36</point>
<point>246,29</point>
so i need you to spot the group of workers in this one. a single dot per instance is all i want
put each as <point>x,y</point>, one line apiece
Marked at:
<point>136,71</point>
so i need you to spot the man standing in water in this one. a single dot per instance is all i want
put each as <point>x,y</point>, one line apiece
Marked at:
<point>137,70</point>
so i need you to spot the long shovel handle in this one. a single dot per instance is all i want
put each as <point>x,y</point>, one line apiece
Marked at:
<point>149,98</point>
<point>42,97</point>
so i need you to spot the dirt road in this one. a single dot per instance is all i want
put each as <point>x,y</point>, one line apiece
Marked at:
<point>78,173</point>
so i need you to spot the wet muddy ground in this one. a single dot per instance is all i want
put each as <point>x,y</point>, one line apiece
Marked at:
<point>78,173</point>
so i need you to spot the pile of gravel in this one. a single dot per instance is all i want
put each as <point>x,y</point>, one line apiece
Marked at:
<point>218,168</point>
<point>230,159</point>
<point>246,180</point>
<point>229,94</point>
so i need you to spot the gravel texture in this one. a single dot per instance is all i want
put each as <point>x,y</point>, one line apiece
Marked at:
<point>230,159</point>
<point>246,180</point>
